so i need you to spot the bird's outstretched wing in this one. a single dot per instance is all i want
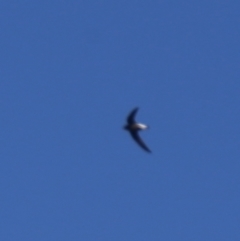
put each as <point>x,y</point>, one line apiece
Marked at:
<point>137,138</point>
<point>131,116</point>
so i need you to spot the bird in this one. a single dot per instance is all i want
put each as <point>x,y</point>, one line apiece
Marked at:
<point>134,127</point>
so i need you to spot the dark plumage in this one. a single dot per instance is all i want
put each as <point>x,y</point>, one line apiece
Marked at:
<point>133,127</point>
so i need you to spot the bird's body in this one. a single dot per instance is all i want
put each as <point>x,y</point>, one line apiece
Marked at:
<point>136,126</point>
<point>133,127</point>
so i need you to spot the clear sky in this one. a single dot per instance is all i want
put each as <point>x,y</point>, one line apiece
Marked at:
<point>71,71</point>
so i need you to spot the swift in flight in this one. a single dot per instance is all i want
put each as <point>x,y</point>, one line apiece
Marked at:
<point>134,127</point>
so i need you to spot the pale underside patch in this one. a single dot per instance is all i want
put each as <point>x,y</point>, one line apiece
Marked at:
<point>139,126</point>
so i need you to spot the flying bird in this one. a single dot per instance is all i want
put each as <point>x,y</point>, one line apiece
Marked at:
<point>134,127</point>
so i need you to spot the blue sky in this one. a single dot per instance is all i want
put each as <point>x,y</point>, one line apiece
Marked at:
<point>71,71</point>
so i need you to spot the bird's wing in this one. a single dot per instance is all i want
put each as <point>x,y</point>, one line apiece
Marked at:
<point>131,116</point>
<point>136,137</point>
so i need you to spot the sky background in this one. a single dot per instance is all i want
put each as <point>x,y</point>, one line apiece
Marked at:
<point>71,71</point>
